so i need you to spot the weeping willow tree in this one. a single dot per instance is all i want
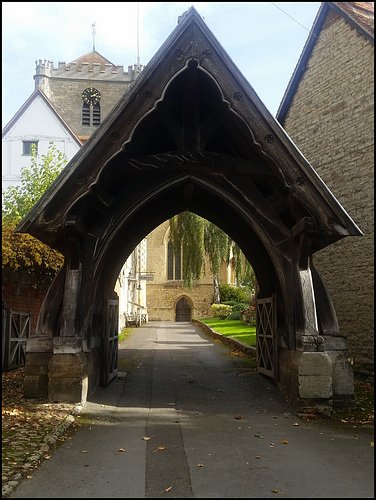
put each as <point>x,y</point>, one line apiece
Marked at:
<point>196,238</point>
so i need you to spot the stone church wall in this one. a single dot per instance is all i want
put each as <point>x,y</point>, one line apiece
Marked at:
<point>163,294</point>
<point>331,120</point>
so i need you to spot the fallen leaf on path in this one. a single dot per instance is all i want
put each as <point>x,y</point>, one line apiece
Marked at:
<point>296,423</point>
<point>372,444</point>
<point>257,456</point>
<point>258,436</point>
<point>239,417</point>
<point>199,465</point>
<point>275,491</point>
<point>122,449</point>
<point>168,489</point>
<point>285,441</point>
<point>160,448</point>
<point>84,452</point>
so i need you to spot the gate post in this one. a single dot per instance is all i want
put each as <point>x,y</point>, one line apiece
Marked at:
<point>314,376</point>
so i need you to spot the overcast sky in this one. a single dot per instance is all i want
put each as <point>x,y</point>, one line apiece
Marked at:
<point>263,39</point>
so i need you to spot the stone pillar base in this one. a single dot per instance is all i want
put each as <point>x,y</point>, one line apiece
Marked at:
<point>36,374</point>
<point>68,378</point>
<point>316,381</point>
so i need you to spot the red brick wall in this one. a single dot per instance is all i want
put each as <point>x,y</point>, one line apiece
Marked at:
<point>23,292</point>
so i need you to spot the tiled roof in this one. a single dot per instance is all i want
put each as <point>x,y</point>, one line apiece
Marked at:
<point>93,57</point>
<point>360,15</point>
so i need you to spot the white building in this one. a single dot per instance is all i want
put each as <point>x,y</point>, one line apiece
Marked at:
<point>37,122</point>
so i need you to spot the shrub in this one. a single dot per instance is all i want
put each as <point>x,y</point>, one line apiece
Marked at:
<point>21,251</point>
<point>220,310</point>
<point>236,293</point>
<point>230,302</point>
<point>236,310</point>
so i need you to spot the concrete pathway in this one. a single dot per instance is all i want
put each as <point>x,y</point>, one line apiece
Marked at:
<point>190,421</point>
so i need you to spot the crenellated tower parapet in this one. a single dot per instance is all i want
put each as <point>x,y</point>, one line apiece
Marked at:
<point>64,84</point>
<point>44,70</point>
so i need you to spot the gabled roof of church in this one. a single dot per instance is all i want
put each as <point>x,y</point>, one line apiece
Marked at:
<point>26,105</point>
<point>360,15</point>
<point>236,146</point>
<point>93,57</point>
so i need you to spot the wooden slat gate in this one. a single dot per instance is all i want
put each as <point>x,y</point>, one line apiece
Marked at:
<point>15,333</point>
<point>266,335</point>
<point>111,340</point>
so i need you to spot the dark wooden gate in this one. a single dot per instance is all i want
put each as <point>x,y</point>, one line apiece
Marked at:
<point>183,310</point>
<point>15,333</point>
<point>266,335</point>
<point>111,340</point>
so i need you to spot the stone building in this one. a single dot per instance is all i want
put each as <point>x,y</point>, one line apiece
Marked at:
<point>328,111</point>
<point>85,90</point>
<point>167,297</point>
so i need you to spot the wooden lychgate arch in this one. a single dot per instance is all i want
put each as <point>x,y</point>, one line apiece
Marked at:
<point>190,134</point>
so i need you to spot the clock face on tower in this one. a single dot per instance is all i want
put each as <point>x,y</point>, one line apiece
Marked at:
<point>91,96</point>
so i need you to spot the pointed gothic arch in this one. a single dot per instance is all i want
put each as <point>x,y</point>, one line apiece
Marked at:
<point>190,134</point>
<point>183,308</point>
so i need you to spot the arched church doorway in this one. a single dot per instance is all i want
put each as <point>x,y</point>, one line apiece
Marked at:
<point>183,310</point>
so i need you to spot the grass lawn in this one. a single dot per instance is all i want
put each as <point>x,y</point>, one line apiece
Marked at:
<point>233,328</point>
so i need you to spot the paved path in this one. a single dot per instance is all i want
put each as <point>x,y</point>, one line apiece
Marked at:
<point>184,391</point>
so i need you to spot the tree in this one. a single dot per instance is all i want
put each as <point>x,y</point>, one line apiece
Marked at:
<point>18,200</point>
<point>23,251</point>
<point>195,237</point>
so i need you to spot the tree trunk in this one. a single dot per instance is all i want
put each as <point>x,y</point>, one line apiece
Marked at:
<point>217,297</point>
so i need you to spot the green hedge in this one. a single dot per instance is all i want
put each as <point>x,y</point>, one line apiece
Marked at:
<point>220,310</point>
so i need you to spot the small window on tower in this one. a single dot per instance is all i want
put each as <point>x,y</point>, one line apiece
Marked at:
<point>96,114</point>
<point>91,115</point>
<point>27,147</point>
<point>85,115</point>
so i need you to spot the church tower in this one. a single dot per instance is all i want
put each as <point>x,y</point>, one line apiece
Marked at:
<point>85,90</point>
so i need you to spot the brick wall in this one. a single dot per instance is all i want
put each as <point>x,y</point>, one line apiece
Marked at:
<point>331,120</point>
<point>23,292</point>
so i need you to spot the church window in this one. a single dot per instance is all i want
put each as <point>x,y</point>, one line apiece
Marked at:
<point>96,114</point>
<point>85,115</point>
<point>26,147</point>
<point>174,264</point>
<point>91,115</point>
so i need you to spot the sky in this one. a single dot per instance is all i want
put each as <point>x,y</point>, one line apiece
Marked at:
<point>263,39</point>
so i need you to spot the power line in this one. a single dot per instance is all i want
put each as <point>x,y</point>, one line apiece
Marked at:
<point>328,44</point>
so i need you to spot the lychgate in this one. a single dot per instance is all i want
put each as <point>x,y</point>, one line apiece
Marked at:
<point>190,134</point>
